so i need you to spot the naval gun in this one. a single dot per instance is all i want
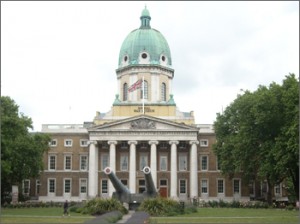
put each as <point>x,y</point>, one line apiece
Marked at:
<point>150,187</point>
<point>123,194</point>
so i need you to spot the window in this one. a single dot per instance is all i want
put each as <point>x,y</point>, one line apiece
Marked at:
<point>144,90</point>
<point>163,145</point>
<point>143,161</point>
<point>203,142</point>
<point>68,162</point>
<point>142,186</point>
<point>163,182</point>
<point>182,186</point>
<point>68,142</point>
<point>83,162</point>
<point>26,187</point>
<point>104,160</point>
<point>182,145</point>
<point>67,185</point>
<point>220,183</point>
<point>252,188</point>
<point>37,187</point>
<point>83,142</point>
<point>182,162</point>
<point>124,145</point>
<point>163,92</point>
<point>51,185</point>
<point>236,186</point>
<point>204,162</point>
<point>53,143</point>
<point>277,189</point>
<point>124,162</point>
<point>104,187</point>
<point>204,186</point>
<point>83,185</point>
<point>125,92</point>
<point>163,163</point>
<point>52,162</point>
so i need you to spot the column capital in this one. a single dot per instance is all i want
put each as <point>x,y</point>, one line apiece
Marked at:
<point>112,142</point>
<point>92,142</point>
<point>194,142</point>
<point>173,142</point>
<point>153,142</point>
<point>132,142</point>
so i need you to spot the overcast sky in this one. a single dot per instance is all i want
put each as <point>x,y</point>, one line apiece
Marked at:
<point>58,59</point>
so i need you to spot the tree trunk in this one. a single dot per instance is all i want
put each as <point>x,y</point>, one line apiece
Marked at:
<point>295,178</point>
<point>269,193</point>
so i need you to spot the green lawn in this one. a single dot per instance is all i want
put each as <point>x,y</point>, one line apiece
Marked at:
<point>40,215</point>
<point>233,215</point>
<point>204,215</point>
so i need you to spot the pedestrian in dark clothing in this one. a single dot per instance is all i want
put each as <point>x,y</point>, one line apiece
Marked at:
<point>66,207</point>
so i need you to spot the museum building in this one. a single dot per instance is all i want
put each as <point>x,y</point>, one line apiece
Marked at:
<point>144,127</point>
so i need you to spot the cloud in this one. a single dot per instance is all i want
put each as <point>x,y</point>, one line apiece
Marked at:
<point>59,58</point>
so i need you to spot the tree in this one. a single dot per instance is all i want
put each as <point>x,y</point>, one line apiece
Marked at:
<point>259,134</point>
<point>21,151</point>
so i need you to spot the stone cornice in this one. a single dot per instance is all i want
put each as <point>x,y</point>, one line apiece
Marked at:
<point>143,133</point>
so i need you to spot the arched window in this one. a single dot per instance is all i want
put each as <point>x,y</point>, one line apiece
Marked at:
<point>163,92</point>
<point>145,90</point>
<point>125,92</point>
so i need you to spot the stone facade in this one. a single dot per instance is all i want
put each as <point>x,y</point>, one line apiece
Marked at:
<point>143,128</point>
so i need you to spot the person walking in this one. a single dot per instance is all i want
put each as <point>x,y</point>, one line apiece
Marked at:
<point>66,207</point>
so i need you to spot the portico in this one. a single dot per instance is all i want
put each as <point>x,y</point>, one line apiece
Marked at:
<point>143,140</point>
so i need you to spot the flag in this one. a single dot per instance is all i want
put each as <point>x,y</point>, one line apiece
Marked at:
<point>136,85</point>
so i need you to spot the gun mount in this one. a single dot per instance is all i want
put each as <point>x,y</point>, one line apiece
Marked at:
<point>123,194</point>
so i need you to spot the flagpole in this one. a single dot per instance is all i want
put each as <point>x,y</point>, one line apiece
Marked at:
<point>143,95</point>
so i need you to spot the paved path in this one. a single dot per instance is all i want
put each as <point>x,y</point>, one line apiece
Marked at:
<point>137,218</point>
<point>126,217</point>
<point>132,217</point>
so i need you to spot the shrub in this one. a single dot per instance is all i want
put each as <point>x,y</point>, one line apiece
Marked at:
<point>99,206</point>
<point>161,207</point>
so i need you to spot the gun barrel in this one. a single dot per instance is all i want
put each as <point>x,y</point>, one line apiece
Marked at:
<point>118,185</point>
<point>150,187</point>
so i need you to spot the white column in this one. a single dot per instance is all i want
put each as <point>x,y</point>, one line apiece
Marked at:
<point>132,166</point>
<point>153,164</point>
<point>193,169</point>
<point>174,184</point>
<point>93,169</point>
<point>112,163</point>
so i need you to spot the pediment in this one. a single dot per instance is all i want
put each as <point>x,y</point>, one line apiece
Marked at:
<point>143,123</point>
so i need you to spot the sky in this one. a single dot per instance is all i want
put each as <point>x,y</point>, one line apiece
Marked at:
<point>58,58</point>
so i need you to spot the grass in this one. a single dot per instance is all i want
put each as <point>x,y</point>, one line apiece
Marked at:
<point>232,215</point>
<point>40,215</point>
<point>204,215</point>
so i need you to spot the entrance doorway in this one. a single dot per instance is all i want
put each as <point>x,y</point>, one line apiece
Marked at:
<point>163,192</point>
<point>163,188</point>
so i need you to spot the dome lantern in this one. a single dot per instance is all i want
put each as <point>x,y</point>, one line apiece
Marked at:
<point>145,19</point>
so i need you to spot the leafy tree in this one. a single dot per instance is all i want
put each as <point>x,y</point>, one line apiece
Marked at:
<point>21,151</point>
<point>258,134</point>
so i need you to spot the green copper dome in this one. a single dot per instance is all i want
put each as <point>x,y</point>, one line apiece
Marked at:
<point>145,46</point>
